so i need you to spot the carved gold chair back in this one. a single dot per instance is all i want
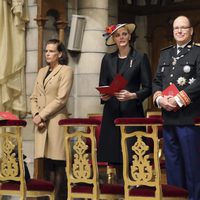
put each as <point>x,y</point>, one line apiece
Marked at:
<point>158,114</point>
<point>81,165</point>
<point>104,167</point>
<point>12,169</point>
<point>11,161</point>
<point>142,175</point>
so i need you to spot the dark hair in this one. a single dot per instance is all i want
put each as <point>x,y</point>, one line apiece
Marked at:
<point>63,60</point>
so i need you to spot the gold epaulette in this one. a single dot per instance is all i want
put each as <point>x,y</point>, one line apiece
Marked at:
<point>196,44</point>
<point>167,47</point>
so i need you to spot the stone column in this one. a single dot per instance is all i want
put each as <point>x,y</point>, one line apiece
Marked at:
<point>41,23</point>
<point>141,42</point>
<point>61,25</point>
<point>86,97</point>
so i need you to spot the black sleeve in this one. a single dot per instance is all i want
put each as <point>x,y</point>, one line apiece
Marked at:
<point>145,77</point>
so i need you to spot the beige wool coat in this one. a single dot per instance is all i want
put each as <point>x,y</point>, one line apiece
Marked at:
<point>49,99</point>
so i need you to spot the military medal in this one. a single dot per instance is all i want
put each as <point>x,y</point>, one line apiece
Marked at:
<point>181,81</point>
<point>186,68</point>
<point>191,80</point>
<point>174,61</point>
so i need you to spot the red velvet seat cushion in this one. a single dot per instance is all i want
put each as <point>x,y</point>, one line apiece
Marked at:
<point>105,188</point>
<point>139,120</point>
<point>173,191</point>
<point>32,185</point>
<point>197,120</point>
<point>13,123</point>
<point>78,121</point>
<point>168,191</point>
<point>112,189</point>
<point>100,164</point>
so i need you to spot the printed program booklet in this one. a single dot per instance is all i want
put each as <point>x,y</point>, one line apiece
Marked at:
<point>170,90</point>
<point>173,91</point>
<point>118,83</point>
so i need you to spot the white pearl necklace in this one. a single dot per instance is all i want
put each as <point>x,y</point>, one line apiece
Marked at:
<point>122,57</point>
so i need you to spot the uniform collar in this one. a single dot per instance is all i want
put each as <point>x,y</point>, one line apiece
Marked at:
<point>184,45</point>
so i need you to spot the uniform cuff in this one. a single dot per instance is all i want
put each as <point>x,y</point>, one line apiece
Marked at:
<point>184,98</point>
<point>178,101</point>
<point>156,95</point>
<point>157,101</point>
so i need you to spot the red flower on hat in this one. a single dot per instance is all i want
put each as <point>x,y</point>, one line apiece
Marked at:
<point>110,29</point>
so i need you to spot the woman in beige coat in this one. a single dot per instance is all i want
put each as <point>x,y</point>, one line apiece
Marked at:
<point>48,105</point>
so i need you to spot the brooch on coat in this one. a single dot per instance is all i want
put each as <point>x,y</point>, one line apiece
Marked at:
<point>131,63</point>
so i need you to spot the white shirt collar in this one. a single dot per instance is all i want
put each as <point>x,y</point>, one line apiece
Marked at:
<point>182,46</point>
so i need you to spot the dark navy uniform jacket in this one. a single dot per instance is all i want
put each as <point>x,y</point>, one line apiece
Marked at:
<point>184,71</point>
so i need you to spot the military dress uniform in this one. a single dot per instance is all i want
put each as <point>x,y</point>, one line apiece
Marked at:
<point>181,137</point>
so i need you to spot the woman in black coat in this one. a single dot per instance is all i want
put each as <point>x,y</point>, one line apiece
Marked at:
<point>135,68</point>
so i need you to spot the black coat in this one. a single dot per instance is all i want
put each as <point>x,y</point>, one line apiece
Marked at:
<point>170,70</point>
<point>136,70</point>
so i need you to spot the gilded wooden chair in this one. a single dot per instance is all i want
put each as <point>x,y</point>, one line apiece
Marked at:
<point>142,177</point>
<point>104,167</point>
<point>81,165</point>
<point>12,168</point>
<point>158,114</point>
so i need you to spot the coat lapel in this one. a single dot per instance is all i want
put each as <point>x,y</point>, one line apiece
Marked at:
<point>173,52</point>
<point>43,78</point>
<point>114,65</point>
<point>52,74</point>
<point>129,62</point>
<point>186,49</point>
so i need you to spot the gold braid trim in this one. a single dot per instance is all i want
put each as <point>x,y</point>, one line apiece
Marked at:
<point>184,98</point>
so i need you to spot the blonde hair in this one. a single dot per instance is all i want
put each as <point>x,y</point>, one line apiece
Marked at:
<point>126,27</point>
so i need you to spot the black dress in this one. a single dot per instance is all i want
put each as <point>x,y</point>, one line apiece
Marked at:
<point>136,69</point>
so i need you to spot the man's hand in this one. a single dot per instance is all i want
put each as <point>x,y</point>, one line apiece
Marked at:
<point>172,101</point>
<point>168,103</point>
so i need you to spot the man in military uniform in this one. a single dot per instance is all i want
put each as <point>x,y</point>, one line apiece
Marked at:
<point>180,65</point>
